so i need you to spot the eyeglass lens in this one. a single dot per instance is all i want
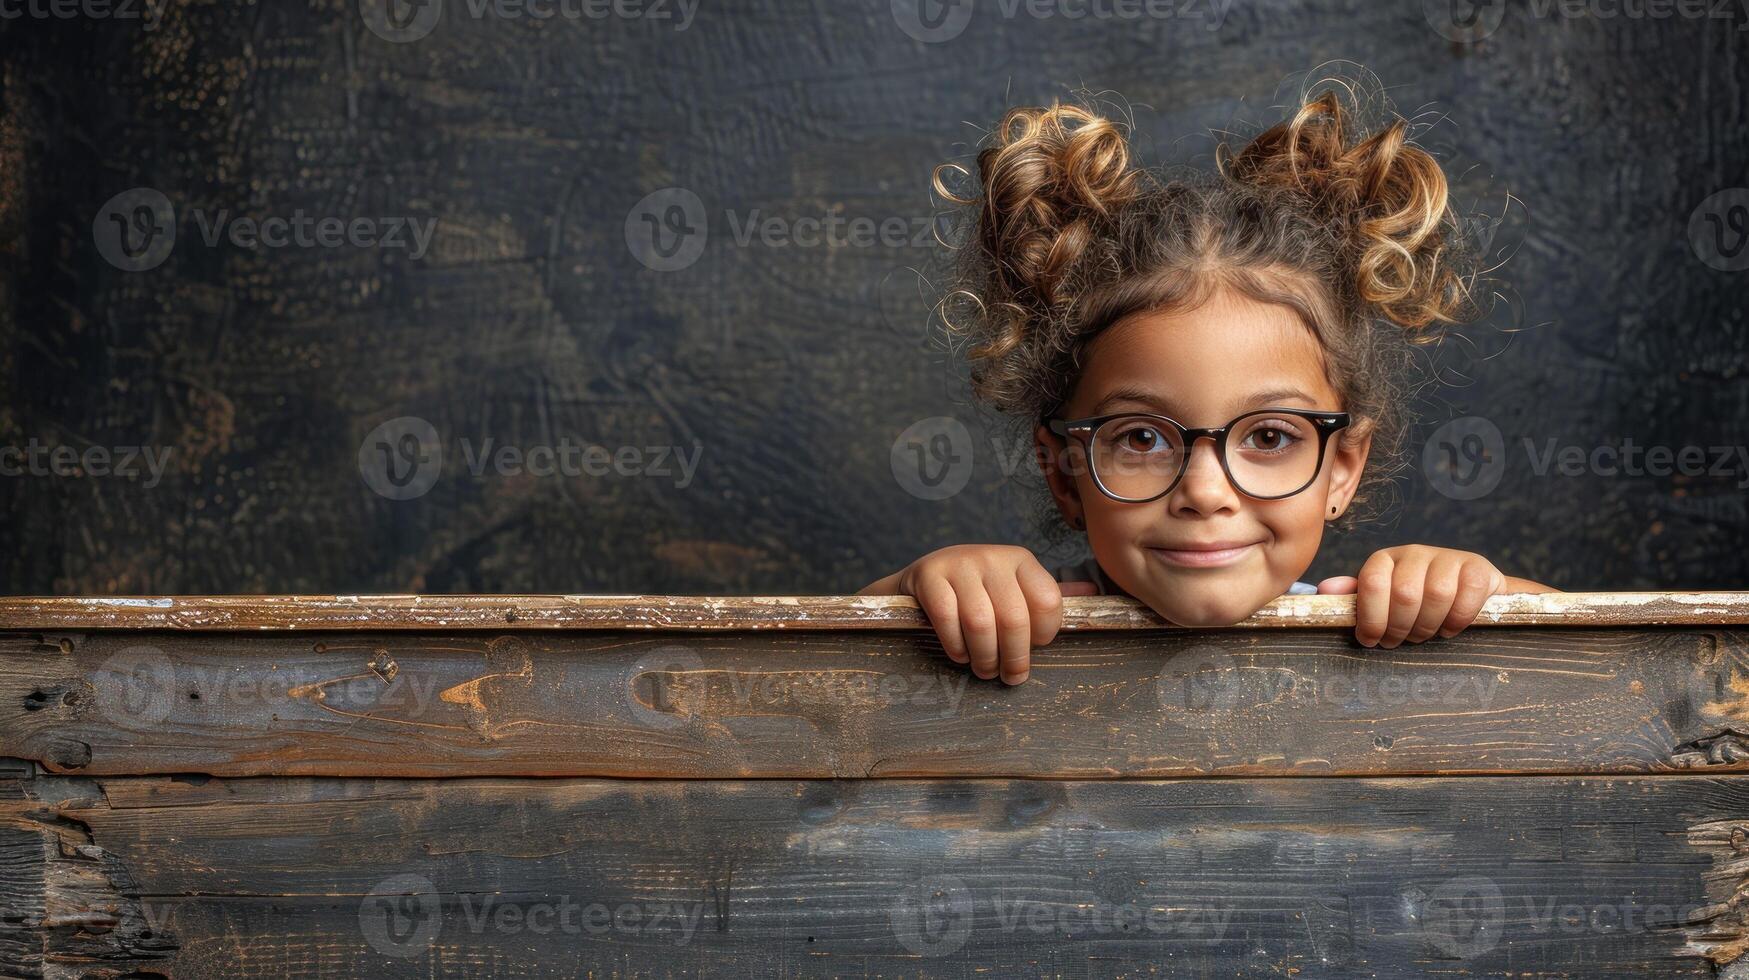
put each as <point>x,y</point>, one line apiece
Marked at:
<point>1268,455</point>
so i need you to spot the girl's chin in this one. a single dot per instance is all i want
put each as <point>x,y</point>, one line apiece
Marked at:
<point>1214,606</point>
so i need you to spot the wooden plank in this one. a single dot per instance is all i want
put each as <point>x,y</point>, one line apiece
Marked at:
<point>881,704</point>
<point>804,612</point>
<point>1476,877</point>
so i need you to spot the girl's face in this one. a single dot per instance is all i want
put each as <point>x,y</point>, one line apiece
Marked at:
<point>1204,367</point>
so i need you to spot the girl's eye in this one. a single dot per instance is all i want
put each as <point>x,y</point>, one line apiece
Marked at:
<point>1270,439</point>
<point>1140,438</point>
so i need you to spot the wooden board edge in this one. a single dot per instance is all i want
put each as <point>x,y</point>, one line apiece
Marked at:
<point>243,613</point>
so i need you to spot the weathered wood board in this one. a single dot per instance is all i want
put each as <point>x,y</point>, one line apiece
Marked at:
<point>858,704</point>
<point>1481,877</point>
<point>410,786</point>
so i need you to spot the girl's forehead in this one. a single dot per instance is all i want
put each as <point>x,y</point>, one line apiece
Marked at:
<point>1222,355</point>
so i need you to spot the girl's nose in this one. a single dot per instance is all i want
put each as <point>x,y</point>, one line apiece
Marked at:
<point>1204,488</point>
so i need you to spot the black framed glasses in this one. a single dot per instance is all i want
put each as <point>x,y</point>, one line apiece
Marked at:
<point>1267,454</point>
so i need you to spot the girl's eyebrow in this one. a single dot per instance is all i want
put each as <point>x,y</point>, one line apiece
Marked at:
<point>1164,405</point>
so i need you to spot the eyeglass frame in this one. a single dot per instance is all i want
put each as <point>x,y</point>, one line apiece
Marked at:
<point>1326,423</point>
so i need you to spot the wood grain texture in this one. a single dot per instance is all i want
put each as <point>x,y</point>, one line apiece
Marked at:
<point>1479,877</point>
<point>853,704</point>
<point>1572,610</point>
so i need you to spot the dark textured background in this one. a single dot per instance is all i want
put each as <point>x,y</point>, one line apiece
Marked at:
<point>794,368</point>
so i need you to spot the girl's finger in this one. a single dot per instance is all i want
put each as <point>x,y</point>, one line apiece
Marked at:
<point>1437,592</point>
<point>1044,598</point>
<point>1372,598</point>
<point>941,605</point>
<point>977,623</point>
<point>1476,582</point>
<point>1013,626</point>
<point>1408,582</point>
<point>1339,585</point>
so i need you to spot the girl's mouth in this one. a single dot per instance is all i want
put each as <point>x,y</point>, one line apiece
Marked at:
<point>1202,557</point>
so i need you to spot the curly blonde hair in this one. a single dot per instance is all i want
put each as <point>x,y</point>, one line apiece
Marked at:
<point>1352,230</point>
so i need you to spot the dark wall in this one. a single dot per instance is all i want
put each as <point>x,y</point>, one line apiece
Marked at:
<point>539,314</point>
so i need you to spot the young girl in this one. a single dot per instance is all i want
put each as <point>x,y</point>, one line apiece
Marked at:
<point>1209,364</point>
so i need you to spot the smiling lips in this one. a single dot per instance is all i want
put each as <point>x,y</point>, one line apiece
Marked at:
<point>1204,555</point>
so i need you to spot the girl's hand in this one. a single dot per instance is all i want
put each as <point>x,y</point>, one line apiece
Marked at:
<point>989,604</point>
<point>1414,591</point>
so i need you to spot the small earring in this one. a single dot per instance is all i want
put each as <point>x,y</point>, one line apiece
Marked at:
<point>1332,510</point>
<point>1079,523</point>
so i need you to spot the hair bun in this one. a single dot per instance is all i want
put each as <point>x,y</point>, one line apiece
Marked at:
<point>1386,196</point>
<point>1052,181</point>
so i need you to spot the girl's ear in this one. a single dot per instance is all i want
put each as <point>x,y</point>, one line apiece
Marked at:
<point>1054,454</point>
<point>1348,459</point>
